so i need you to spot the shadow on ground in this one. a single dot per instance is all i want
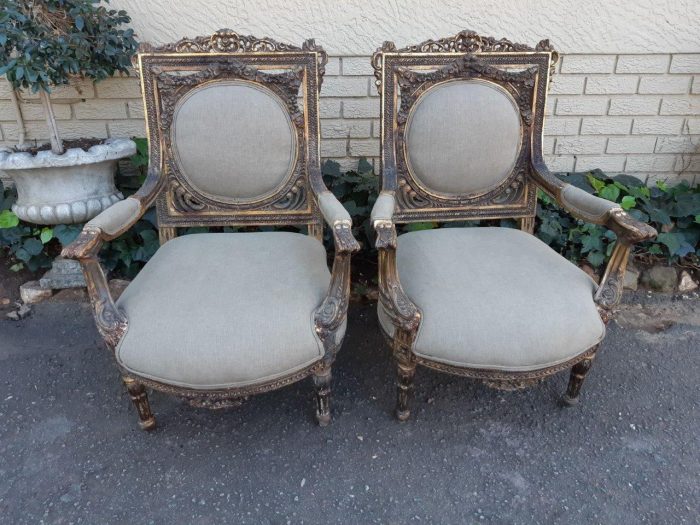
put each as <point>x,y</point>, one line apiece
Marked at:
<point>71,450</point>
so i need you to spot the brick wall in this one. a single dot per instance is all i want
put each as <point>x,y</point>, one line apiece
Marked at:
<point>634,114</point>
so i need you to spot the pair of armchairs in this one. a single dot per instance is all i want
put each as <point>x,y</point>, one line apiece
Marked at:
<point>233,130</point>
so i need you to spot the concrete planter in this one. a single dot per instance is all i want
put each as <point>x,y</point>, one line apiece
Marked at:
<point>69,188</point>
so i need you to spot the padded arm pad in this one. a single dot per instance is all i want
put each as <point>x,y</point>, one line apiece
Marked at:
<point>118,218</point>
<point>383,209</point>
<point>586,206</point>
<point>333,212</point>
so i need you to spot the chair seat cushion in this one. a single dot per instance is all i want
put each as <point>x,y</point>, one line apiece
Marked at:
<point>222,310</point>
<point>495,298</point>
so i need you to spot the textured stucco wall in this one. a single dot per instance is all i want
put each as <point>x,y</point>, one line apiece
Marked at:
<point>625,99</point>
<point>358,27</point>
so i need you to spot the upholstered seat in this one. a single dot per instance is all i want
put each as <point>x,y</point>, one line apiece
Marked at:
<point>495,298</point>
<point>225,310</point>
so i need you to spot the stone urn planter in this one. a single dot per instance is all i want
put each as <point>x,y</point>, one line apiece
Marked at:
<point>69,188</point>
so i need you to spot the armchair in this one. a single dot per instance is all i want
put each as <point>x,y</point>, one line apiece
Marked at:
<point>216,317</point>
<point>461,134</point>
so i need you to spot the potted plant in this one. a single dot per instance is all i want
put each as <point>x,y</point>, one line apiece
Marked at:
<point>47,43</point>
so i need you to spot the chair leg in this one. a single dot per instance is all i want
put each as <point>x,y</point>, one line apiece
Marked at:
<point>406,370</point>
<point>137,391</point>
<point>322,382</point>
<point>578,374</point>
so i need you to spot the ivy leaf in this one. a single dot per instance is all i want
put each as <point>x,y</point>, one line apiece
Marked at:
<point>66,233</point>
<point>610,192</point>
<point>16,267</point>
<point>46,235</point>
<point>595,258</point>
<point>79,23</point>
<point>33,246</point>
<point>8,219</point>
<point>676,243</point>
<point>597,184</point>
<point>697,218</point>
<point>628,202</point>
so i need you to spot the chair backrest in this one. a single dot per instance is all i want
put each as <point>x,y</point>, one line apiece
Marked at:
<point>461,119</point>
<point>232,123</point>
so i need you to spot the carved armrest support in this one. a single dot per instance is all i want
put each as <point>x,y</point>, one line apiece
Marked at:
<point>333,310</point>
<point>111,323</point>
<point>345,242</point>
<point>593,209</point>
<point>400,309</point>
<point>108,225</point>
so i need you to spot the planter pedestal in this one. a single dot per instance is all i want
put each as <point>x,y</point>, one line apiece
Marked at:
<point>64,273</point>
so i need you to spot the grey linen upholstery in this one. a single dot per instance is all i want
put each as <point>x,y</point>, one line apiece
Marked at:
<point>331,208</point>
<point>383,209</point>
<point>234,139</point>
<point>225,310</point>
<point>584,205</point>
<point>463,137</point>
<point>117,216</point>
<point>495,298</point>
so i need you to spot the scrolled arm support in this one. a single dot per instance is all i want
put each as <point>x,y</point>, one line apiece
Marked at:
<point>332,312</point>
<point>111,323</point>
<point>108,225</point>
<point>403,313</point>
<point>590,208</point>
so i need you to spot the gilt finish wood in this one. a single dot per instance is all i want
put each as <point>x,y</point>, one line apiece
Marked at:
<point>167,73</point>
<point>525,72</point>
<point>404,74</point>
<point>171,71</point>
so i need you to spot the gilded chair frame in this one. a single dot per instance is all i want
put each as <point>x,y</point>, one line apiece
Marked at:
<point>283,69</point>
<point>402,75</point>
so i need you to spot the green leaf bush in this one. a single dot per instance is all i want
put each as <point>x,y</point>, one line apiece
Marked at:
<point>46,43</point>
<point>674,210</point>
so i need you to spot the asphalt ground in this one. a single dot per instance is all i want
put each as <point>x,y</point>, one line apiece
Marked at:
<point>71,450</point>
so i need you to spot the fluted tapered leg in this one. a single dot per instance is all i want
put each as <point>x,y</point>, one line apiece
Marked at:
<point>322,382</point>
<point>406,370</point>
<point>137,391</point>
<point>578,374</point>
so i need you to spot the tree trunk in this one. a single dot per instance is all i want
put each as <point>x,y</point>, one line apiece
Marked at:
<point>56,143</point>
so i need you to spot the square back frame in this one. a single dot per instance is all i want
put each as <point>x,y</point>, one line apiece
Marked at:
<point>402,75</point>
<point>284,69</point>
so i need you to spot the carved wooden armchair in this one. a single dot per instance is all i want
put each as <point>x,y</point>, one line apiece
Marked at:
<point>461,134</point>
<point>215,317</point>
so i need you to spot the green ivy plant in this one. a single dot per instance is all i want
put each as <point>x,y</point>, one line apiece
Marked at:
<point>46,43</point>
<point>672,210</point>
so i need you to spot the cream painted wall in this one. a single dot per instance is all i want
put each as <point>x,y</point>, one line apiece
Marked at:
<point>357,27</point>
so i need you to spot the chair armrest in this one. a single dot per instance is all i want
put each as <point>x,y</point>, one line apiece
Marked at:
<point>403,313</point>
<point>108,225</point>
<point>382,218</point>
<point>590,208</point>
<point>587,207</point>
<point>115,220</point>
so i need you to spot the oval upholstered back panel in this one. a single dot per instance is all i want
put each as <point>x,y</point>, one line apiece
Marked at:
<point>234,140</point>
<point>463,137</point>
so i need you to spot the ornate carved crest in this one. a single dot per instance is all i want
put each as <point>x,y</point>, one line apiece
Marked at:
<point>466,41</point>
<point>228,41</point>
